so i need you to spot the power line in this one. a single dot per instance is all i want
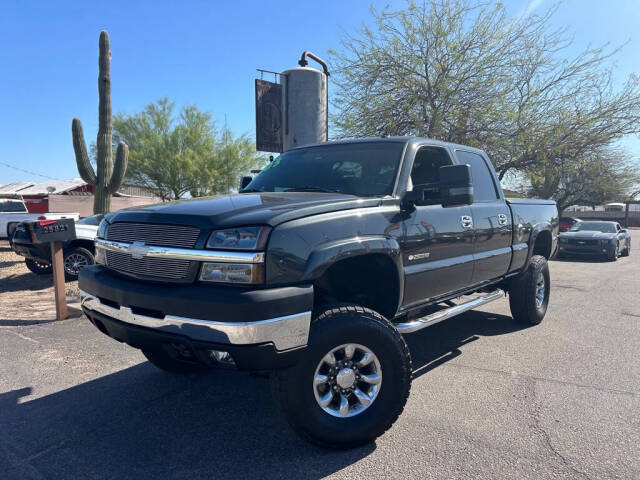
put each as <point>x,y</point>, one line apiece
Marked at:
<point>28,171</point>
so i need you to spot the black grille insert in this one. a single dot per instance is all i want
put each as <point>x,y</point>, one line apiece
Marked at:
<point>180,236</point>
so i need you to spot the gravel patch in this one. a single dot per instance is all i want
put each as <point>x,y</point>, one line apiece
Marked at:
<point>25,296</point>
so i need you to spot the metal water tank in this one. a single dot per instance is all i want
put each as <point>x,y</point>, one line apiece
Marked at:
<point>304,105</point>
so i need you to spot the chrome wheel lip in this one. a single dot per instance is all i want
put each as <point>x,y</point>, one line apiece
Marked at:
<point>541,288</point>
<point>74,262</point>
<point>330,394</point>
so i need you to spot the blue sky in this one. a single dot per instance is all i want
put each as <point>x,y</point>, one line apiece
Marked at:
<point>203,52</point>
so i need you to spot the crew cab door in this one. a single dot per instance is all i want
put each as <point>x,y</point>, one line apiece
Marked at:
<point>492,220</point>
<point>438,242</point>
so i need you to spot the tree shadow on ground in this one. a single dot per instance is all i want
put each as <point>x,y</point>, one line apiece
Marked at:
<point>143,423</point>
<point>25,281</point>
<point>9,263</point>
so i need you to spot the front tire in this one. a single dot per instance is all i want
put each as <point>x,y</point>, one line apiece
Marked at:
<point>39,268</point>
<point>616,253</point>
<point>164,360</point>
<point>353,382</point>
<point>529,292</point>
<point>75,260</point>
<point>627,250</point>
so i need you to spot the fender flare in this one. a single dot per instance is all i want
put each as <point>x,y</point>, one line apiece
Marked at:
<point>533,236</point>
<point>327,254</point>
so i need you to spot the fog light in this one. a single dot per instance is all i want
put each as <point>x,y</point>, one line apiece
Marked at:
<point>222,357</point>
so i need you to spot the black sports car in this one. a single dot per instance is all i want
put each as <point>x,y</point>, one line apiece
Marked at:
<point>595,238</point>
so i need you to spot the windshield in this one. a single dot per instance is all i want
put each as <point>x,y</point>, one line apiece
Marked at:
<point>92,220</point>
<point>362,169</point>
<point>605,227</point>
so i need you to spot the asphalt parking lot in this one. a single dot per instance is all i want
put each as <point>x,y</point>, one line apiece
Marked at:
<point>490,399</point>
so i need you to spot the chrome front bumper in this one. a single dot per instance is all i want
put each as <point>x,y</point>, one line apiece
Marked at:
<point>284,333</point>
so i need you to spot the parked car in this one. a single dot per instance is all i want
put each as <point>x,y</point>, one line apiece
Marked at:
<point>13,211</point>
<point>567,222</point>
<point>607,239</point>
<point>77,253</point>
<point>316,269</point>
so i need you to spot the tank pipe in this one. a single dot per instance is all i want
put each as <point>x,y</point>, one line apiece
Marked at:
<point>303,63</point>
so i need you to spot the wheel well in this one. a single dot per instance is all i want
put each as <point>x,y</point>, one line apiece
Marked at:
<point>88,244</point>
<point>542,245</point>
<point>368,280</point>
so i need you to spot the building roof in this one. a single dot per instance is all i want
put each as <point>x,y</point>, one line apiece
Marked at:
<point>44,188</point>
<point>14,187</point>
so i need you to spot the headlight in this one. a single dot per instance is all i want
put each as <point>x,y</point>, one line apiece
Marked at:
<point>243,238</point>
<point>102,229</point>
<point>232,272</point>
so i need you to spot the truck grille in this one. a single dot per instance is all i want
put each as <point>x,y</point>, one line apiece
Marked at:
<point>180,236</point>
<point>573,241</point>
<point>162,268</point>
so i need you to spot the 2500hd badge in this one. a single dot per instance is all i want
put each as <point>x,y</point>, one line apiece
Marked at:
<point>317,268</point>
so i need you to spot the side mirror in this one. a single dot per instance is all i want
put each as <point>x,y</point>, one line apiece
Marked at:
<point>244,181</point>
<point>456,187</point>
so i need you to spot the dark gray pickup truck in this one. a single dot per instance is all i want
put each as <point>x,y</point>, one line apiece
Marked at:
<point>317,268</point>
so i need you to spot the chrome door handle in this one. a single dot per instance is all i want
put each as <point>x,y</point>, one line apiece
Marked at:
<point>466,221</point>
<point>502,219</point>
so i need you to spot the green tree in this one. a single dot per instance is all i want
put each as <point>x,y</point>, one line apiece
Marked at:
<point>234,157</point>
<point>595,179</point>
<point>467,73</point>
<point>175,155</point>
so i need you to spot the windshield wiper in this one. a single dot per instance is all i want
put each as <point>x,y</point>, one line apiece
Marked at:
<point>311,189</point>
<point>250,190</point>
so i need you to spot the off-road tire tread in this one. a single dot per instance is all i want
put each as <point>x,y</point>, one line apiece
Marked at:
<point>521,309</point>
<point>279,377</point>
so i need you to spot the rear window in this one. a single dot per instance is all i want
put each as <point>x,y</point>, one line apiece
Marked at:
<point>483,188</point>
<point>12,206</point>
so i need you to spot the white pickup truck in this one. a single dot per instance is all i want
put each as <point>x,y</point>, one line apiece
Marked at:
<point>13,211</point>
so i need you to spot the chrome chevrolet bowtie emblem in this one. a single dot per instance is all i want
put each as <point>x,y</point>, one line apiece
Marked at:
<point>138,250</point>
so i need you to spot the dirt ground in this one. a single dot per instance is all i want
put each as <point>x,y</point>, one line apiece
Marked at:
<point>25,297</point>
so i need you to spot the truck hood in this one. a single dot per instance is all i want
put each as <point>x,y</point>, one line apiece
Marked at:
<point>243,209</point>
<point>587,235</point>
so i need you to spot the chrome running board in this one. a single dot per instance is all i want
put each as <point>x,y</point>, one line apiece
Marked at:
<point>441,315</point>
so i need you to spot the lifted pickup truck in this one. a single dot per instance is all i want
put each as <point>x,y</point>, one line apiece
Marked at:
<point>317,268</point>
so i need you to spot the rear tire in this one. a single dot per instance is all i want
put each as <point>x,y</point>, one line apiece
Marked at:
<point>529,292</point>
<point>322,396</point>
<point>37,267</point>
<point>164,360</point>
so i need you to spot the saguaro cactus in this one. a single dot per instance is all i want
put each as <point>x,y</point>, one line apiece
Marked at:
<point>108,177</point>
